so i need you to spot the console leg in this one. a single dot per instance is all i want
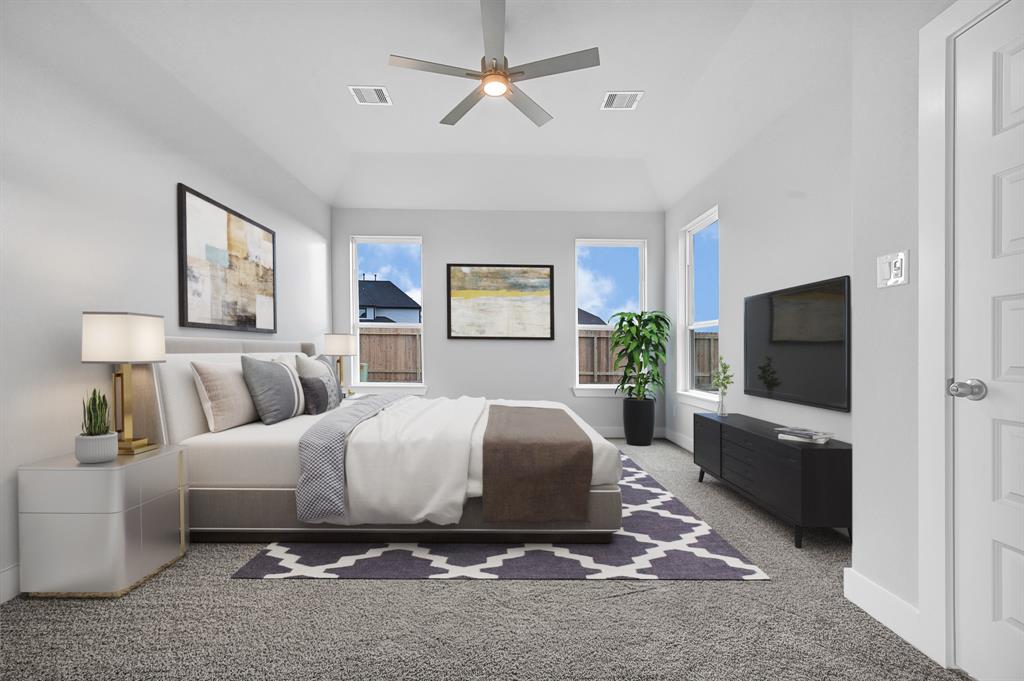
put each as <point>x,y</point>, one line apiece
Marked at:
<point>700,478</point>
<point>798,537</point>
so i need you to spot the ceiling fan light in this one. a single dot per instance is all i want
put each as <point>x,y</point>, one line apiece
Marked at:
<point>495,85</point>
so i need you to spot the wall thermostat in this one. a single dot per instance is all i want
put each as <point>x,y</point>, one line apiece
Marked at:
<point>892,270</point>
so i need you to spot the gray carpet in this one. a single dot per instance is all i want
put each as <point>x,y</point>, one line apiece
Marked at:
<point>195,622</point>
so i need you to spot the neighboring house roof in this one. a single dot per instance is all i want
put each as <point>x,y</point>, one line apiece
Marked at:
<point>383,293</point>
<point>584,317</point>
<point>383,320</point>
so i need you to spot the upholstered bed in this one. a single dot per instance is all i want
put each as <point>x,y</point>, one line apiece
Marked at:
<point>243,480</point>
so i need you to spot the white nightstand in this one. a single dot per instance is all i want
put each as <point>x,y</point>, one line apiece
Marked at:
<point>100,529</point>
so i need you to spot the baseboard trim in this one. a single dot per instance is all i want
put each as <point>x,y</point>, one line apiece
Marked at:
<point>892,611</point>
<point>618,432</point>
<point>9,583</point>
<point>681,439</point>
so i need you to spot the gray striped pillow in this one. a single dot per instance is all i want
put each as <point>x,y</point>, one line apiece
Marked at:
<point>275,389</point>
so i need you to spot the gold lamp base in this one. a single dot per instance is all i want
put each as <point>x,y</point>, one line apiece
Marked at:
<point>136,446</point>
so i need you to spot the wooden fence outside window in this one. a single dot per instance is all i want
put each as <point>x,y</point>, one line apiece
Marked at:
<point>390,355</point>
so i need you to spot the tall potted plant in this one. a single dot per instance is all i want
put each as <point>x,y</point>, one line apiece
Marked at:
<point>640,339</point>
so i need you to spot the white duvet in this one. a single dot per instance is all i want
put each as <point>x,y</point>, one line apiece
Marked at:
<point>420,459</point>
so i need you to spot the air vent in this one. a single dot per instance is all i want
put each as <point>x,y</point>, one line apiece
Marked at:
<point>371,95</point>
<point>621,101</point>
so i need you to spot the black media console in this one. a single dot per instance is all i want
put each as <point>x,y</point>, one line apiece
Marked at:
<point>805,484</point>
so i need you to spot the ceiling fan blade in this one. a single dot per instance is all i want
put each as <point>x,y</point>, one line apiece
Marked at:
<point>431,67</point>
<point>460,110</point>
<point>493,14</point>
<point>530,108</point>
<point>574,61</point>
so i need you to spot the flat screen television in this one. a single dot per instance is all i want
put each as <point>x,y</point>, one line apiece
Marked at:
<point>796,344</point>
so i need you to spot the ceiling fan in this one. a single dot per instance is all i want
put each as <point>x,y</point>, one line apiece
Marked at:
<point>495,77</point>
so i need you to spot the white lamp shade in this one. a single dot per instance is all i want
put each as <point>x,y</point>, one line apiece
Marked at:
<point>122,338</point>
<point>340,344</point>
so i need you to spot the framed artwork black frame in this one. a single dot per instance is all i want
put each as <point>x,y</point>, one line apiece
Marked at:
<point>183,320</point>
<point>551,300</point>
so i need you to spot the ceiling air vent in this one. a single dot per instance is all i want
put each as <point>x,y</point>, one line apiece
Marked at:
<point>371,95</point>
<point>621,101</point>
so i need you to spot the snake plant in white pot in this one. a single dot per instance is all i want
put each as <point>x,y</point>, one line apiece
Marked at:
<point>640,339</point>
<point>97,443</point>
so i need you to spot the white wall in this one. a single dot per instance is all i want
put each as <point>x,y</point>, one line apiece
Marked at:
<point>884,219</point>
<point>497,368</point>
<point>784,206</point>
<point>830,186</point>
<point>94,141</point>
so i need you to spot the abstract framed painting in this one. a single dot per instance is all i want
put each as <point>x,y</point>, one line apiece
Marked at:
<point>501,301</point>
<point>226,277</point>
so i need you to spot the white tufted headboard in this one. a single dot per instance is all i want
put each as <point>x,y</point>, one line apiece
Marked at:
<point>180,413</point>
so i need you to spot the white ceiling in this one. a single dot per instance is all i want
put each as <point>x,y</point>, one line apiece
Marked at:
<point>715,73</point>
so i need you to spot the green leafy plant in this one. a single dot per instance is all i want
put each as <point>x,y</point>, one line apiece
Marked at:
<point>640,339</point>
<point>95,414</point>
<point>721,377</point>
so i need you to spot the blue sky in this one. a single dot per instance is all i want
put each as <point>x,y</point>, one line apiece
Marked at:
<point>396,262</point>
<point>608,279</point>
<point>705,273</point>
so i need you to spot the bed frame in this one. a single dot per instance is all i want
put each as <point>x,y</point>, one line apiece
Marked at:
<point>267,514</point>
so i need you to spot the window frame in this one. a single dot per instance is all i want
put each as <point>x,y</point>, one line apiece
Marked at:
<point>357,323</point>
<point>684,347</point>
<point>600,389</point>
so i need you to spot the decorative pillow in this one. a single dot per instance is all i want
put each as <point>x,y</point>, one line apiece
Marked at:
<point>224,395</point>
<point>321,393</point>
<point>317,366</point>
<point>275,389</point>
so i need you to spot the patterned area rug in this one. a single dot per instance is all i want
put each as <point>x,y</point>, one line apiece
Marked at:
<point>660,539</point>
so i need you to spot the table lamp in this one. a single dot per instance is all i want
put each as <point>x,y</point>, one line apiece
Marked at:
<point>124,339</point>
<point>340,345</point>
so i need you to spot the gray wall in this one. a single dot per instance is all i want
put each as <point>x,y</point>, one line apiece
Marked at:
<point>542,370</point>
<point>94,142</point>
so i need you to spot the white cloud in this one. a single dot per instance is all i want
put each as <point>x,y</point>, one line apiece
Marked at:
<point>592,292</point>
<point>416,294</point>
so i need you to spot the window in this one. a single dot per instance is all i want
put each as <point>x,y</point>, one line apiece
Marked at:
<point>610,276</point>
<point>698,354</point>
<point>387,286</point>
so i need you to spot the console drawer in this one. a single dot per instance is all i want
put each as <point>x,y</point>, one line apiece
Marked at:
<point>739,467</point>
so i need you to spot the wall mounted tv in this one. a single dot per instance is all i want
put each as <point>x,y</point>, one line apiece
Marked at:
<point>796,344</point>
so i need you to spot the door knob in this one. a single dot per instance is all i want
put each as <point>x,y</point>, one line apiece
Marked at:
<point>972,389</point>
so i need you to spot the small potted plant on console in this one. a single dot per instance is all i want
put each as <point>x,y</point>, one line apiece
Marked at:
<point>97,443</point>
<point>640,339</point>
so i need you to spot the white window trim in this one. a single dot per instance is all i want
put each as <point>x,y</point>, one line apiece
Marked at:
<point>686,392</point>
<point>599,389</point>
<point>356,385</point>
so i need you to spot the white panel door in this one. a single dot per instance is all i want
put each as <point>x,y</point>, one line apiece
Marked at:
<point>989,345</point>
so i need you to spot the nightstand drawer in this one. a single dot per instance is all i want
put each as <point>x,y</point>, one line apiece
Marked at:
<point>75,491</point>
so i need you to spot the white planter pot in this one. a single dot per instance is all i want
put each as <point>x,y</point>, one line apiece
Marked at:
<point>96,448</point>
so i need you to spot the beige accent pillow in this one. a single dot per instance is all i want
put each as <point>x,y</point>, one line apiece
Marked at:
<point>224,395</point>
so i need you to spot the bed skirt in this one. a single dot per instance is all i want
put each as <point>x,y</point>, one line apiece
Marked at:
<point>267,514</point>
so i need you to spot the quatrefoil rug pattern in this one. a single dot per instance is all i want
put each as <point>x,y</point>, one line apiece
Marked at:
<point>660,539</point>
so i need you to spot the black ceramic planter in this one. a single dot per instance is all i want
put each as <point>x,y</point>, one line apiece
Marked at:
<point>638,421</point>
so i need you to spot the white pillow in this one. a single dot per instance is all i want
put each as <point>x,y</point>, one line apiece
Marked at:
<point>224,395</point>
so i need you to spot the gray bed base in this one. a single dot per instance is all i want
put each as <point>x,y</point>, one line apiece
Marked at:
<point>258,514</point>
<point>267,514</point>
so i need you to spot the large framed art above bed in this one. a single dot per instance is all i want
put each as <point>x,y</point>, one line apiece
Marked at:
<point>227,278</point>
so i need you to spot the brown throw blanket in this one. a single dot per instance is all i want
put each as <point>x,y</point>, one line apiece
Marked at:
<point>537,466</point>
